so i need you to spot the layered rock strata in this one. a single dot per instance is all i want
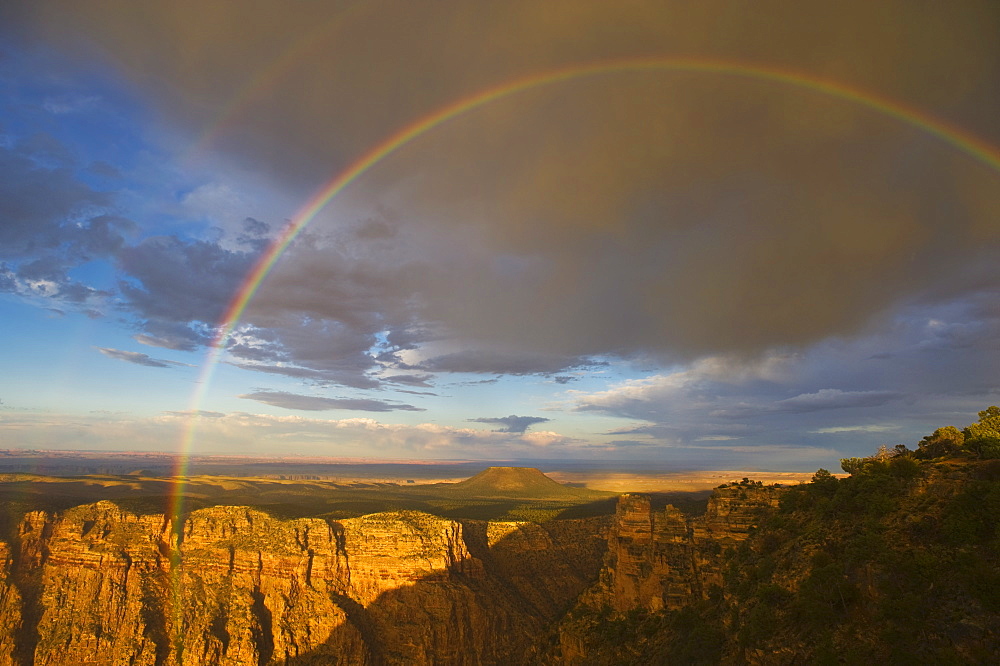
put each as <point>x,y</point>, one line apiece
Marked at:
<point>662,559</point>
<point>233,585</point>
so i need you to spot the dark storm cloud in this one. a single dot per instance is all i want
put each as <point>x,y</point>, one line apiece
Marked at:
<point>140,359</point>
<point>8,279</point>
<point>44,268</point>
<point>835,399</point>
<point>322,350</point>
<point>819,401</point>
<point>630,443</point>
<point>500,363</point>
<point>35,204</point>
<point>181,336</point>
<point>105,170</point>
<point>46,151</point>
<point>512,423</point>
<point>51,223</point>
<point>178,288</point>
<point>352,377</point>
<point>835,394</point>
<point>316,403</point>
<point>75,292</point>
<point>174,280</point>
<point>410,380</point>
<point>675,213</point>
<point>374,229</point>
<point>255,234</point>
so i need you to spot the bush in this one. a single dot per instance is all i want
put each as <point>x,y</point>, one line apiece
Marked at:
<point>904,468</point>
<point>987,448</point>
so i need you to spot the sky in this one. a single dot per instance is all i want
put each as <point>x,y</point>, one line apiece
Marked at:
<point>706,235</point>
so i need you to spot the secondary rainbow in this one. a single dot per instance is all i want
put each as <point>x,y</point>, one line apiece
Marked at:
<point>960,139</point>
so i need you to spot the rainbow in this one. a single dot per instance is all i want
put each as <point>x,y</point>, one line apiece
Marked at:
<point>953,135</point>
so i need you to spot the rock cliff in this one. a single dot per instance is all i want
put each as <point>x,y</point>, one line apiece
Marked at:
<point>661,560</point>
<point>232,585</point>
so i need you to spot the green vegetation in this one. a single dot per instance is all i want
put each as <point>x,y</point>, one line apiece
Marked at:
<point>897,563</point>
<point>694,635</point>
<point>980,439</point>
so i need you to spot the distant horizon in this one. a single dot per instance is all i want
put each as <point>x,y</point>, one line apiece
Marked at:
<point>624,465</point>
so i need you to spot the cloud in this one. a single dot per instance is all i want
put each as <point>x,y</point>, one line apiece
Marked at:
<point>512,423</point>
<point>410,380</point>
<point>247,434</point>
<point>501,363</point>
<point>834,399</point>
<point>836,430</point>
<point>172,335</point>
<point>70,104</point>
<point>176,281</point>
<point>678,213</point>
<point>141,359</point>
<point>202,413</point>
<point>35,204</point>
<point>317,403</point>
<point>695,386</point>
<point>53,224</point>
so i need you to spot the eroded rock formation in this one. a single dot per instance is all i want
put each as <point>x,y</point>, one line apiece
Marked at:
<point>660,559</point>
<point>233,585</point>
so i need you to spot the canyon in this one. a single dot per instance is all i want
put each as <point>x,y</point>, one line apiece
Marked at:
<point>98,584</point>
<point>897,562</point>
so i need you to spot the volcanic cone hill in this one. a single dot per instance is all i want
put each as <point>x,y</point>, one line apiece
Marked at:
<point>519,483</point>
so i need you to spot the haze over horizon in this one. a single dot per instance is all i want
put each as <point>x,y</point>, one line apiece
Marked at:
<point>754,252</point>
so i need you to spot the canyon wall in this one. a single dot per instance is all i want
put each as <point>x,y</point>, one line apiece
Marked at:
<point>659,559</point>
<point>662,559</point>
<point>232,585</point>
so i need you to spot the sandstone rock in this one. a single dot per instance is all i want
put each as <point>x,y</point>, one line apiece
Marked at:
<point>10,607</point>
<point>233,585</point>
<point>661,559</point>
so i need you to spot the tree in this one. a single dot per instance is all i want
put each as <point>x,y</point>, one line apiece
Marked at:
<point>941,442</point>
<point>823,477</point>
<point>852,466</point>
<point>983,437</point>
<point>988,425</point>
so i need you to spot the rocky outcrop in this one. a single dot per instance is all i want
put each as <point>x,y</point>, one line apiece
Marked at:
<point>233,585</point>
<point>10,607</point>
<point>662,559</point>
